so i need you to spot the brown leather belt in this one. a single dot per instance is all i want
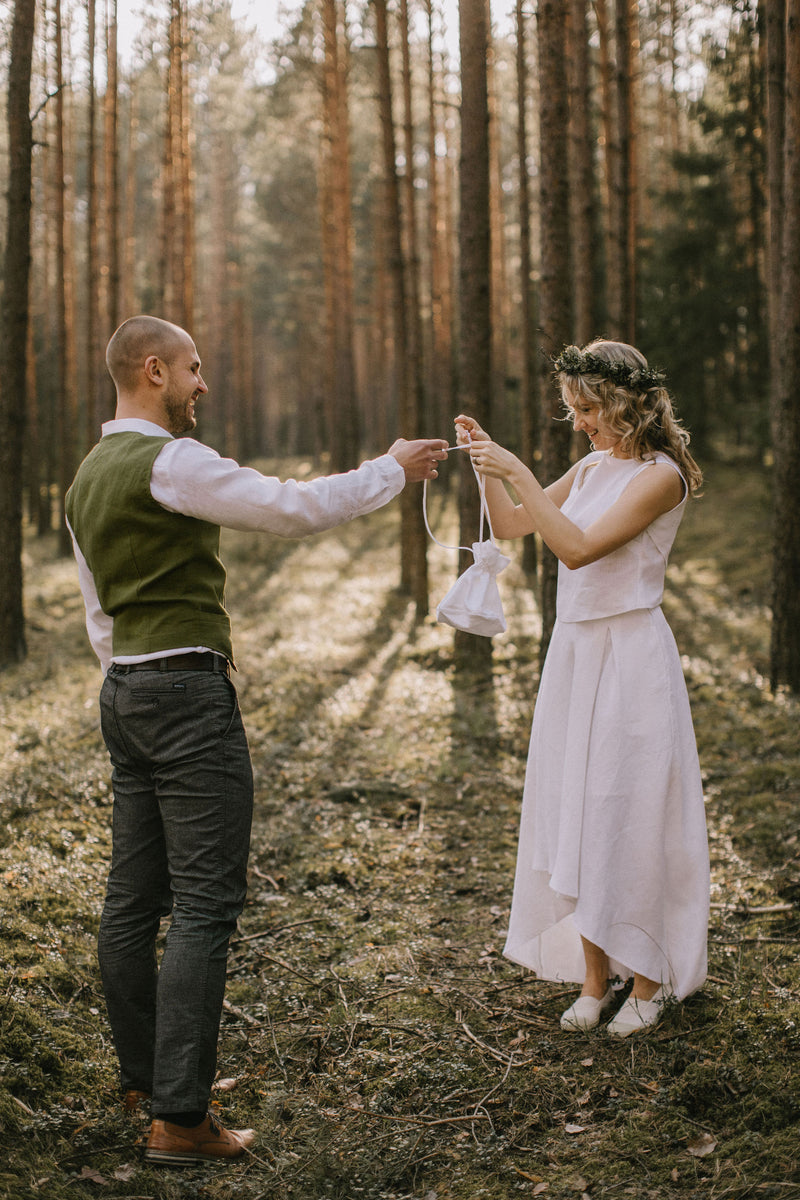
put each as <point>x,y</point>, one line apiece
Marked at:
<point>193,661</point>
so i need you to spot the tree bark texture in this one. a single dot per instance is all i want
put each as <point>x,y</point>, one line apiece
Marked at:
<point>16,273</point>
<point>343,422</point>
<point>555,294</point>
<point>529,390</point>
<point>67,392</point>
<point>475,322</point>
<point>774,12</point>
<point>416,536</point>
<point>440,358</point>
<point>499,289</point>
<point>111,172</point>
<point>398,278</point>
<point>90,431</point>
<point>624,234</point>
<point>582,207</point>
<point>785,640</point>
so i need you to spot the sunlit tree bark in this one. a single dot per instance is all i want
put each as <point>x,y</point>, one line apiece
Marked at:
<point>399,302</point>
<point>475,308</point>
<point>176,275</point>
<point>111,173</point>
<point>555,291</point>
<point>440,373</point>
<point>529,376</point>
<point>185,181</point>
<point>122,233</point>
<point>14,332</point>
<point>500,291</point>
<point>67,394</point>
<point>582,191</point>
<point>92,330</point>
<point>343,422</point>
<point>416,537</point>
<point>623,224</point>
<point>611,301</point>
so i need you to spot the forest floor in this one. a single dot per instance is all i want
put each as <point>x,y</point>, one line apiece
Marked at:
<point>373,1034</point>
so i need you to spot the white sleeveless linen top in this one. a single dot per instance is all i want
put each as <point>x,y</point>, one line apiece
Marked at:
<point>631,577</point>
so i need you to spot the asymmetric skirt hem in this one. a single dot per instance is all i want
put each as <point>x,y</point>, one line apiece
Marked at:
<point>613,838</point>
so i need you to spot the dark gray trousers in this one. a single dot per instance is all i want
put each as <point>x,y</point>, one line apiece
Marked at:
<point>183,801</point>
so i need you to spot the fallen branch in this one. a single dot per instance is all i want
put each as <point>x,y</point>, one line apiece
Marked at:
<point>754,941</point>
<point>497,1055</point>
<point>241,1014</point>
<point>368,1112</point>
<point>273,929</point>
<point>748,910</point>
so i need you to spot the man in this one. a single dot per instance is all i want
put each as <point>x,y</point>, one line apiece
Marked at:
<point>145,511</point>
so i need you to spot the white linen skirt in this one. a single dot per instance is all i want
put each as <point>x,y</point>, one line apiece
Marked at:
<point>613,842</point>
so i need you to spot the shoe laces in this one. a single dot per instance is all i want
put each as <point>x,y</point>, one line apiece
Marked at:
<point>216,1128</point>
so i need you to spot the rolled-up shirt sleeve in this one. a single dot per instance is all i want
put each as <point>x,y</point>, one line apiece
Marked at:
<point>192,479</point>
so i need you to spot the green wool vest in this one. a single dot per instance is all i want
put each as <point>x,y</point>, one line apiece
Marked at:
<point>158,574</point>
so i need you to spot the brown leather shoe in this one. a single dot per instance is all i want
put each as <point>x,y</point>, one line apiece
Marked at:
<point>133,1102</point>
<point>206,1142</point>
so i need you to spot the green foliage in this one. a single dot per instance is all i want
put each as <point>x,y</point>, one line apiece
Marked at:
<point>703,302</point>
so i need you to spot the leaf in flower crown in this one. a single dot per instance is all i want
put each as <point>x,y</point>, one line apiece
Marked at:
<point>571,361</point>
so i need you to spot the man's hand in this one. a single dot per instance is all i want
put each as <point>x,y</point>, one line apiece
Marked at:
<point>419,458</point>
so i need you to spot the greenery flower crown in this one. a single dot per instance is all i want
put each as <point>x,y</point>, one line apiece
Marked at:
<point>573,361</point>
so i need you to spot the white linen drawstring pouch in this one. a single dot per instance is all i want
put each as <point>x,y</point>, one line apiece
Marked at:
<point>473,602</point>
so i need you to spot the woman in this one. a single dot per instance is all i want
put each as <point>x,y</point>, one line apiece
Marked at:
<point>612,873</point>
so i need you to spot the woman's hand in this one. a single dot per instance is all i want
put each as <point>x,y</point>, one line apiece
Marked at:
<point>493,460</point>
<point>509,520</point>
<point>468,428</point>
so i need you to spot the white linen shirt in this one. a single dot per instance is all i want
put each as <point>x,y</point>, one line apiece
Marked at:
<point>190,478</point>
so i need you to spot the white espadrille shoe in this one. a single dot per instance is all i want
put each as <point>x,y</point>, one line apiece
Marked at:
<point>637,1015</point>
<point>585,1013</point>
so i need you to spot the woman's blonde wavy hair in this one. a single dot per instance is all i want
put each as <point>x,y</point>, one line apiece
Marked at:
<point>643,417</point>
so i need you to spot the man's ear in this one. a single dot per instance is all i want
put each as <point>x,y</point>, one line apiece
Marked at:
<point>154,370</point>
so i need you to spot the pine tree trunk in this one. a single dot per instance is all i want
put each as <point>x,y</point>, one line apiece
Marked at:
<point>14,328</point>
<point>381,416</point>
<point>582,213</point>
<point>785,641</point>
<point>67,399</point>
<point>624,234</point>
<point>500,291</point>
<point>440,375</point>
<point>475,322</point>
<point>397,275</point>
<point>556,288</point>
<point>610,172</point>
<point>529,377</point>
<point>47,398</point>
<point>185,182</point>
<point>171,256</point>
<point>343,422</point>
<point>411,507</point>
<point>91,432</point>
<point>775,19</point>
<point>125,237</point>
<point>111,170</point>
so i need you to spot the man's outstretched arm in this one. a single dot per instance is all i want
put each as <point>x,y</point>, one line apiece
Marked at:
<point>191,478</point>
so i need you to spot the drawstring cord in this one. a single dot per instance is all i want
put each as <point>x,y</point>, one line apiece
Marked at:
<point>484,507</point>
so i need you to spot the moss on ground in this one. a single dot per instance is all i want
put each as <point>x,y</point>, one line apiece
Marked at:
<point>373,1034</point>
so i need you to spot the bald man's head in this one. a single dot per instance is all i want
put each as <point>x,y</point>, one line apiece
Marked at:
<point>136,340</point>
